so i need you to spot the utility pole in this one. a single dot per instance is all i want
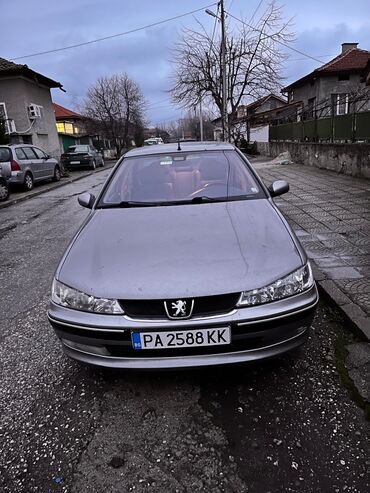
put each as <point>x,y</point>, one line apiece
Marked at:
<point>224,116</point>
<point>225,133</point>
<point>200,120</point>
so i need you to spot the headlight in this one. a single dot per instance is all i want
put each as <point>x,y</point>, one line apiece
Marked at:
<point>296,282</point>
<point>72,298</point>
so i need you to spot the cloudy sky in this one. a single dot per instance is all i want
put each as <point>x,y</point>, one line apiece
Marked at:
<point>29,27</point>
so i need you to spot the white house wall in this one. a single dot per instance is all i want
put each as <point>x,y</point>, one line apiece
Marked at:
<point>259,134</point>
<point>18,93</point>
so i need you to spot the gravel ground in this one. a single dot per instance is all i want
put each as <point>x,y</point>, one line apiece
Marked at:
<point>286,425</point>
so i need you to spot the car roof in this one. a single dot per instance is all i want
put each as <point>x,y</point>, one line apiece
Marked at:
<point>185,146</point>
<point>19,145</point>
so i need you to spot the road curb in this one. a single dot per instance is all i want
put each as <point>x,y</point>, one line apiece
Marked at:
<point>357,318</point>
<point>359,321</point>
<point>62,183</point>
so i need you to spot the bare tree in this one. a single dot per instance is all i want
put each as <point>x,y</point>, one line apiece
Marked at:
<point>254,60</point>
<point>115,105</point>
<point>188,127</point>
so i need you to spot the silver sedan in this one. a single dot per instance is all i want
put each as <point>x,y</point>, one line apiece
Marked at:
<point>183,261</point>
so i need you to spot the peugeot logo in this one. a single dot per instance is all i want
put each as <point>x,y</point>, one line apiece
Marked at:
<point>179,308</point>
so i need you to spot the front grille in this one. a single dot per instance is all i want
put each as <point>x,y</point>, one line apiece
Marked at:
<point>203,306</point>
<point>253,341</point>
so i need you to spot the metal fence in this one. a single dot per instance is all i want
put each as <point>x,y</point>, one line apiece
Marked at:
<point>354,127</point>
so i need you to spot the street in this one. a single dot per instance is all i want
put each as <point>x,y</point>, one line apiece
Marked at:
<point>283,426</point>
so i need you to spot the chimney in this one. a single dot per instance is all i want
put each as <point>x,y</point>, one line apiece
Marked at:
<point>348,46</point>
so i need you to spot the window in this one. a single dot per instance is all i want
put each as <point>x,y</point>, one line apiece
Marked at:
<point>20,154</point>
<point>60,127</point>
<point>78,148</point>
<point>29,153</point>
<point>311,108</point>
<point>9,124</point>
<point>66,128</point>
<point>69,128</point>
<point>291,96</point>
<point>5,154</point>
<point>343,76</point>
<point>340,103</point>
<point>3,114</point>
<point>39,153</point>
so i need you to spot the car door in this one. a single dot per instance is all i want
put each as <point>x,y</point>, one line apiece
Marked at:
<point>32,163</point>
<point>46,165</point>
<point>92,152</point>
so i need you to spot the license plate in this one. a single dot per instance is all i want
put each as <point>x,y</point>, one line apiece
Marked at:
<point>177,339</point>
<point>75,162</point>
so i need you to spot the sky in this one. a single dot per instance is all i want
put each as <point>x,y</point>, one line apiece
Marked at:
<point>29,27</point>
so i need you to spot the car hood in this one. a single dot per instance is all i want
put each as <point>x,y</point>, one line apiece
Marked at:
<point>180,251</point>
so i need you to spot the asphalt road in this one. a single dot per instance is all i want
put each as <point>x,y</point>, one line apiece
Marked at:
<point>286,425</point>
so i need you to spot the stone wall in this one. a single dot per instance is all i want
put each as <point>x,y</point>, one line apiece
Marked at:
<point>349,159</point>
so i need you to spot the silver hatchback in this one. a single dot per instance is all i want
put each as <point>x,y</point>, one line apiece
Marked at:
<point>29,164</point>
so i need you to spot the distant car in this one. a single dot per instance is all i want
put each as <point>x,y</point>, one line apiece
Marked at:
<point>5,173</point>
<point>184,260</point>
<point>29,164</point>
<point>80,156</point>
<point>153,141</point>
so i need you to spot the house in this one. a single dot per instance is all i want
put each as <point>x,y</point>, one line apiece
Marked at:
<point>70,126</point>
<point>74,128</point>
<point>249,121</point>
<point>336,88</point>
<point>26,106</point>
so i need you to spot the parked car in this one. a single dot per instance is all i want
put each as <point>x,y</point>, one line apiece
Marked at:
<point>30,164</point>
<point>79,156</point>
<point>184,260</point>
<point>5,172</point>
<point>153,141</point>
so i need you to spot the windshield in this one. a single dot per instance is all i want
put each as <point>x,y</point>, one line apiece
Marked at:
<point>191,177</point>
<point>78,148</point>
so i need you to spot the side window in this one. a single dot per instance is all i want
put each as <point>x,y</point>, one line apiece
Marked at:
<point>39,153</point>
<point>20,154</point>
<point>29,153</point>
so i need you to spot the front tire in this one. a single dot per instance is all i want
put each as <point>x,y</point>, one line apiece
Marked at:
<point>102,163</point>
<point>28,182</point>
<point>57,174</point>
<point>93,164</point>
<point>4,191</point>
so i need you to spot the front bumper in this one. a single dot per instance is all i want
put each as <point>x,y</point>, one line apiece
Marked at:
<point>258,332</point>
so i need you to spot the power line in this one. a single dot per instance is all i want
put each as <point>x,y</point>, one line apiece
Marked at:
<point>277,41</point>
<point>319,56</point>
<point>153,24</point>
<point>255,12</point>
<point>214,27</point>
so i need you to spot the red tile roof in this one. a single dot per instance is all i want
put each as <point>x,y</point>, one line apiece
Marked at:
<point>62,113</point>
<point>351,60</point>
<point>354,60</point>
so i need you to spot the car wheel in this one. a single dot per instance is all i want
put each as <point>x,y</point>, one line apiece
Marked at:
<point>57,174</point>
<point>4,191</point>
<point>102,162</point>
<point>28,182</point>
<point>93,164</point>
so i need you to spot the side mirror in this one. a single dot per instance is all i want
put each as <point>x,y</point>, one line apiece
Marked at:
<point>278,187</point>
<point>86,199</point>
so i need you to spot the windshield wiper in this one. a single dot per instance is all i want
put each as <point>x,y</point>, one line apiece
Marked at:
<point>128,203</point>
<point>204,198</point>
